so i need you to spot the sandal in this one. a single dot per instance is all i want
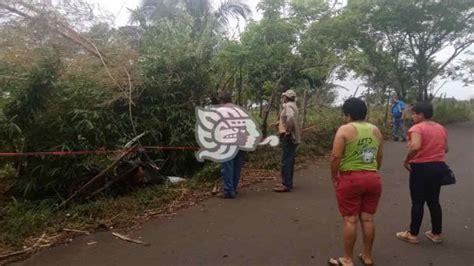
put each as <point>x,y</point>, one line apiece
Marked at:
<point>337,262</point>
<point>405,236</point>
<point>281,188</point>
<point>361,257</point>
<point>435,239</point>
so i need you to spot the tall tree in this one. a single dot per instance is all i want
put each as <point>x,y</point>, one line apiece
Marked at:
<point>202,12</point>
<point>419,31</point>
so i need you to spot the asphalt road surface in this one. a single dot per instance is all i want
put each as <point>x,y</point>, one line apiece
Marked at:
<point>303,227</point>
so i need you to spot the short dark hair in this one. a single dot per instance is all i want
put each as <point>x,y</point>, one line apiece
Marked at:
<point>214,100</point>
<point>356,108</point>
<point>225,98</point>
<point>425,108</point>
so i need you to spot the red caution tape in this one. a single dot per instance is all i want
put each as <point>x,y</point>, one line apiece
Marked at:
<point>56,153</point>
<point>97,152</point>
<point>171,148</point>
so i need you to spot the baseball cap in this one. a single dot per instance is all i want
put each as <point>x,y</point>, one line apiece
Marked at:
<point>290,94</point>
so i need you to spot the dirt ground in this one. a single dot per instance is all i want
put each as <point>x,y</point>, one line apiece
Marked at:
<point>303,227</point>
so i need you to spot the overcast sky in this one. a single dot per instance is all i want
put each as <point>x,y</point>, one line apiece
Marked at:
<point>452,88</point>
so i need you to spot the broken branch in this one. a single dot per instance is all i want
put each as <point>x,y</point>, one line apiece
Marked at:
<point>125,238</point>
<point>76,231</point>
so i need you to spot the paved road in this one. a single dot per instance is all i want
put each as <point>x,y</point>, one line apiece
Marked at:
<point>298,228</point>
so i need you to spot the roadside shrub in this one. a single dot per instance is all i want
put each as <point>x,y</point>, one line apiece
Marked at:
<point>52,112</point>
<point>24,218</point>
<point>451,110</point>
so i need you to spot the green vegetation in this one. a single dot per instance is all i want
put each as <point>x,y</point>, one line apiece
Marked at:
<point>24,219</point>
<point>29,218</point>
<point>71,81</point>
<point>450,110</point>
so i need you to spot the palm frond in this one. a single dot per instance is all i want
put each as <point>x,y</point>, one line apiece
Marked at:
<point>232,9</point>
<point>332,86</point>
<point>156,10</point>
<point>136,16</point>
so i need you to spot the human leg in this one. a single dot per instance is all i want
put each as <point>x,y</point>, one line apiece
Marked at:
<point>368,231</point>
<point>402,130</point>
<point>433,189</point>
<point>417,194</point>
<point>286,160</point>
<point>292,161</point>
<point>350,236</point>
<point>395,129</point>
<point>348,196</point>
<point>238,163</point>
<point>227,170</point>
<point>369,204</point>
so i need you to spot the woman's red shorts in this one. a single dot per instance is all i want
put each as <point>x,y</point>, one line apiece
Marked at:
<point>357,192</point>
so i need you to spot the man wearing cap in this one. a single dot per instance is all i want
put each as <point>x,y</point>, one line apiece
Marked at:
<point>290,137</point>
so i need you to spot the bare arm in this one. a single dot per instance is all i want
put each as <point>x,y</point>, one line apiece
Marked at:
<point>379,135</point>
<point>337,153</point>
<point>413,148</point>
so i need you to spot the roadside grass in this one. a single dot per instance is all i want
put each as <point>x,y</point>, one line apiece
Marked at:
<point>448,111</point>
<point>24,219</point>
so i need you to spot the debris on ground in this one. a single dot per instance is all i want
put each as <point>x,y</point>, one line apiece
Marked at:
<point>76,231</point>
<point>187,198</point>
<point>125,238</point>
<point>16,253</point>
<point>40,243</point>
<point>176,180</point>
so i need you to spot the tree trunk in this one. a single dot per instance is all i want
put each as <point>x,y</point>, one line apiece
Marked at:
<point>265,115</point>
<point>241,84</point>
<point>387,107</point>
<point>305,106</point>
<point>426,94</point>
<point>367,100</point>
<point>422,94</point>
<point>270,104</point>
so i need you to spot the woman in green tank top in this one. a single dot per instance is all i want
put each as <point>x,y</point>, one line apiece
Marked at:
<point>355,160</point>
<point>360,153</point>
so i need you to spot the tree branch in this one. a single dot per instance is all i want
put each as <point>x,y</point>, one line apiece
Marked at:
<point>61,28</point>
<point>458,50</point>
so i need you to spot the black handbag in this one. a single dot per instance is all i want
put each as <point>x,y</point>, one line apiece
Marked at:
<point>448,177</point>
